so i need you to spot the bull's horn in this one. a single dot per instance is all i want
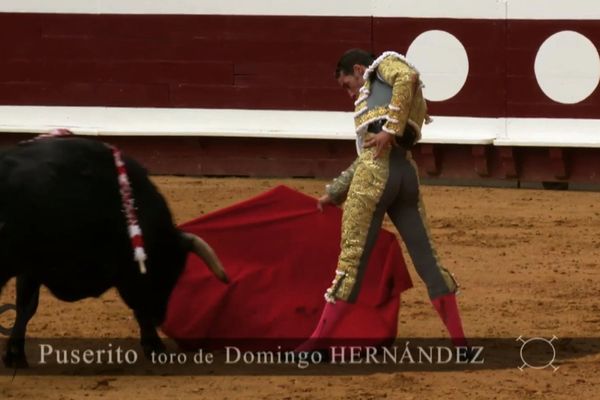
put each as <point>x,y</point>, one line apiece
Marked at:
<point>206,253</point>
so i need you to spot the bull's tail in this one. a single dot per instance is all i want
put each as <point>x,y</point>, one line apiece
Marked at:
<point>206,253</point>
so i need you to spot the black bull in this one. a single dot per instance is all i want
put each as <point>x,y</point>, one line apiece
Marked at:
<point>62,225</point>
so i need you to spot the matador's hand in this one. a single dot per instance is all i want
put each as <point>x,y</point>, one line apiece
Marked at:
<point>323,200</point>
<point>380,141</point>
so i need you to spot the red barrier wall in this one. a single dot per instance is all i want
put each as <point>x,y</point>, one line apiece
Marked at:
<point>261,62</point>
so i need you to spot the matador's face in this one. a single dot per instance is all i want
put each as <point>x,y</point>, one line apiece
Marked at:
<point>352,83</point>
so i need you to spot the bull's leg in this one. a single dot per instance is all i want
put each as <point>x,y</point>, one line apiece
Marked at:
<point>148,336</point>
<point>3,281</point>
<point>28,295</point>
<point>151,343</point>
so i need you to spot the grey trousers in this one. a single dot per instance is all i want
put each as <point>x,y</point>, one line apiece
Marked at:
<point>388,184</point>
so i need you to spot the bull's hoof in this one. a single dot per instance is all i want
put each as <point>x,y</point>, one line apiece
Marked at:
<point>15,360</point>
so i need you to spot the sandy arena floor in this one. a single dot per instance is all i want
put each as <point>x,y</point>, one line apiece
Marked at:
<point>528,263</point>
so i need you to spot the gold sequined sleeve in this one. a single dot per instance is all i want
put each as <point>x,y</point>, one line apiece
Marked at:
<point>338,188</point>
<point>403,80</point>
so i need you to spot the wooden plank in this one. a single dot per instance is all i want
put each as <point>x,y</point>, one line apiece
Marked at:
<point>296,28</point>
<point>215,73</point>
<point>510,166</point>
<point>234,27</point>
<point>128,95</point>
<point>17,27</point>
<point>399,33</point>
<point>257,97</point>
<point>326,158</point>
<point>559,159</point>
<point>68,26</point>
<point>481,158</point>
<point>19,50</point>
<point>32,93</point>
<point>50,71</point>
<point>164,49</point>
<point>430,155</point>
<point>530,34</point>
<point>274,52</point>
<point>66,48</point>
<point>273,148</point>
<point>84,94</point>
<point>526,99</point>
<point>286,73</point>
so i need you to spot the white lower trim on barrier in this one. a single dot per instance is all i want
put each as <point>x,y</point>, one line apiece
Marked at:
<point>551,132</point>
<point>114,121</point>
<point>462,130</point>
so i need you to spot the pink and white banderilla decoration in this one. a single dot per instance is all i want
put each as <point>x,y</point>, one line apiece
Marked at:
<point>127,200</point>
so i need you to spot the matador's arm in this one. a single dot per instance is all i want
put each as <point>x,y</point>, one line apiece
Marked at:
<point>404,80</point>
<point>338,188</point>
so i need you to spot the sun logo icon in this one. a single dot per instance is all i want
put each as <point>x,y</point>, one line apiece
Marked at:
<point>538,353</point>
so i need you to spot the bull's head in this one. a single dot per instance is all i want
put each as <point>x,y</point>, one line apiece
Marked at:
<point>167,261</point>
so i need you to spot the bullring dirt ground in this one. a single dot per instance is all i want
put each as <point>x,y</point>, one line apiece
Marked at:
<point>528,262</point>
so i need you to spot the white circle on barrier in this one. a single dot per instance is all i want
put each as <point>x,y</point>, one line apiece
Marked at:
<point>443,62</point>
<point>567,67</point>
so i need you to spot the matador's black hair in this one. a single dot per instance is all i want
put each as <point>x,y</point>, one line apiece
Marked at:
<point>353,56</point>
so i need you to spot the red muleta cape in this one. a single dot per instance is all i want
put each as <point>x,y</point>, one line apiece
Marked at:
<point>280,253</point>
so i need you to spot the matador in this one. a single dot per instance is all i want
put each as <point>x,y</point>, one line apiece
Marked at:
<point>389,113</point>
